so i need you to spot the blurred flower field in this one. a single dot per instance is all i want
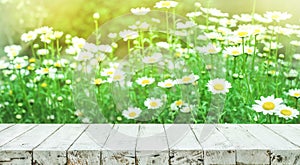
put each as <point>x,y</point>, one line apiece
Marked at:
<point>207,66</point>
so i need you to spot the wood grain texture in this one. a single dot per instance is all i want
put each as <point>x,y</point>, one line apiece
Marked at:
<point>139,144</point>
<point>54,149</point>
<point>87,148</point>
<point>282,151</point>
<point>217,149</point>
<point>249,150</point>
<point>10,133</point>
<point>184,147</point>
<point>152,145</point>
<point>19,150</point>
<point>119,148</point>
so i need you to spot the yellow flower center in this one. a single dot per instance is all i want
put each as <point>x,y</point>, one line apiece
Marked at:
<point>18,66</point>
<point>178,103</point>
<point>58,65</point>
<point>144,82</point>
<point>178,54</point>
<point>30,68</point>
<point>132,114</point>
<point>186,79</point>
<point>275,16</point>
<point>296,94</point>
<point>45,70</point>
<point>152,60</point>
<point>211,50</point>
<point>32,60</point>
<point>117,77</point>
<point>166,4</point>
<point>44,85</point>
<point>242,34</point>
<point>219,87</point>
<point>109,72</point>
<point>153,104</point>
<point>235,52</point>
<point>168,84</point>
<point>98,81</point>
<point>286,112</point>
<point>268,106</point>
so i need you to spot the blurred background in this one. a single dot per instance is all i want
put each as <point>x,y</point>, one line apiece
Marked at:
<point>75,16</point>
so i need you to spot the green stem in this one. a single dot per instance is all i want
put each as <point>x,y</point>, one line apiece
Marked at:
<point>254,54</point>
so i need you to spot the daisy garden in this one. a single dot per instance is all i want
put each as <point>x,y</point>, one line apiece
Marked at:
<point>156,65</point>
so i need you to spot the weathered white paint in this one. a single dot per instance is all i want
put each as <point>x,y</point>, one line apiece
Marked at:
<point>5,126</point>
<point>184,148</point>
<point>119,148</point>
<point>87,148</point>
<point>54,149</point>
<point>217,149</point>
<point>10,133</point>
<point>149,144</point>
<point>152,146</point>
<point>249,150</point>
<point>19,150</point>
<point>282,151</point>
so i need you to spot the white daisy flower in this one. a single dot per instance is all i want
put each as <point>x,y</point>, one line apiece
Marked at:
<point>43,30</point>
<point>277,15</point>
<point>296,57</point>
<point>188,79</point>
<point>108,72</point>
<point>84,56</point>
<point>105,48</point>
<point>208,49</point>
<point>78,43</point>
<point>166,4</point>
<point>140,11</point>
<point>234,51</point>
<point>98,81</point>
<point>128,34</point>
<point>243,17</point>
<point>186,25</point>
<point>214,12</point>
<point>117,76</point>
<point>287,112</point>
<point>12,50</point>
<point>143,81</point>
<point>294,93</point>
<point>218,85</point>
<point>43,71</point>
<point>42,52</point>
<point>132,112</point>
<point>176,105</point>
<point>152,59</point>
<point>186,108</point>
<point>30,36</point>
<point>267,105</point>
<point>167,83</point>
<point>193,14</point>
<point>153,103</point>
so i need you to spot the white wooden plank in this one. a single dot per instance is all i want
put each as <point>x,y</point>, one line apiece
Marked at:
<point>19,150</point>
<point>5,126</point>
<point>119,148</point>
<point>297,126</point>
<point>217,149</point>
<point>87,148</point>
<point>12,132</point>
<point>184,147</point>
<point>249,150</point>
<point>152,146</point>
<point>282,151</point>
<point>288,132</point>
<point>54,149</point>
